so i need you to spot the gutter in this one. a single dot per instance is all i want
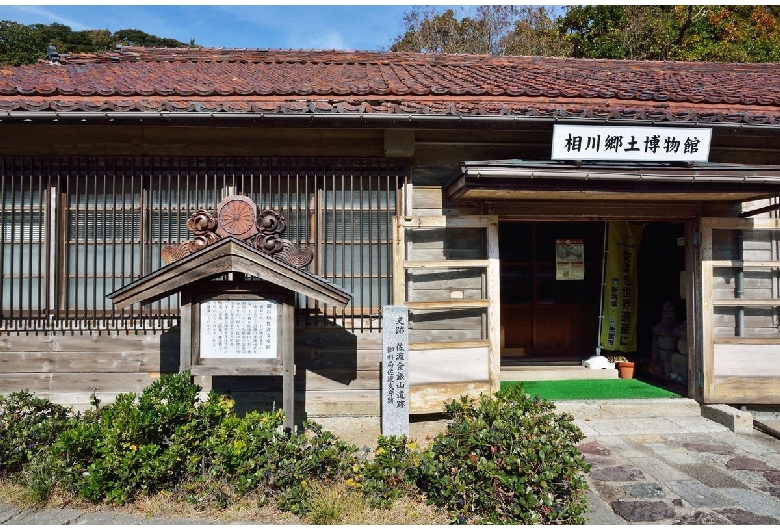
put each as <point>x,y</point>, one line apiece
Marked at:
<point>29,116</point>
<point>583,174</point>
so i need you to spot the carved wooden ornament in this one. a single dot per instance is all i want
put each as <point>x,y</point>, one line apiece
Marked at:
<point>237,216</point>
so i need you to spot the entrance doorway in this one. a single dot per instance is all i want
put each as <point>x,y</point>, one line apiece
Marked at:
<point>542,317</point>
<point>547,320</point>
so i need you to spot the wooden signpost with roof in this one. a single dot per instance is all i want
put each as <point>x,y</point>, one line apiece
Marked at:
<point>242,327</point>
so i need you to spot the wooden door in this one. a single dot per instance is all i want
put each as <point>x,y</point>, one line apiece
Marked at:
<point>543,316</point>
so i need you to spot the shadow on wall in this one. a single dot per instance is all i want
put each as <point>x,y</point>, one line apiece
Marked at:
<point>169,350</point>
<point>326,360</point>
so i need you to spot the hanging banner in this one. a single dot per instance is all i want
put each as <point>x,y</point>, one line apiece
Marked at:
<point>569,259</point>
<point>618,324</point>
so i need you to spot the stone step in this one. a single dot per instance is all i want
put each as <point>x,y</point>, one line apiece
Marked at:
<point>555,373</point>
<point>633,408</point>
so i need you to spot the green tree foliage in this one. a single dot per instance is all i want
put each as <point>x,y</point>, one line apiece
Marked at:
<point>740,33</point>
<point>135,37</point>
<point>25,44</point>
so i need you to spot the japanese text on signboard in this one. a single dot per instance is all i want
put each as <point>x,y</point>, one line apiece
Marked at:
<point>238,329</point>
<point>657,144</point>
<point>395,370</point>
<point>395,357</point>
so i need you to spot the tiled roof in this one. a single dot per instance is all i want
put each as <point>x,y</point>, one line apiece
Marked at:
<point>203,80</point>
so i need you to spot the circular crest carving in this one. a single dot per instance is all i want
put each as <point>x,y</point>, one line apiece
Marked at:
<point>237,217</point>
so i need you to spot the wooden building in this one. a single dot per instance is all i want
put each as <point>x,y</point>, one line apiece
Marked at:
<point>419,180</point>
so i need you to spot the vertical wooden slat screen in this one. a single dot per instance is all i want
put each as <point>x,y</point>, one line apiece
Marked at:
<point>75,229</point>
<point>25,261</point>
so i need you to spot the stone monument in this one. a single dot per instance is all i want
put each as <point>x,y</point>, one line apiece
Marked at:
<point>395,370</point>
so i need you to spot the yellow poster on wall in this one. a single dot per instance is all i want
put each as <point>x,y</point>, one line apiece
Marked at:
<point>618,324</point>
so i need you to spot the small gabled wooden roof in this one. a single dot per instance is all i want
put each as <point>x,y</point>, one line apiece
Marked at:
<point>228,255</point>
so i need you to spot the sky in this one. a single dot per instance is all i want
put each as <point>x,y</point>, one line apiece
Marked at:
<point>319,27</point>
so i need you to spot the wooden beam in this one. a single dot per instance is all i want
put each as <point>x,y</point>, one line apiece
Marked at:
<point>447,264</point>
<point>448,221</point>
<point>748,341</point>
<point>739,223</point>
<point>743,302</point>
<point>733,263</point>
<point>465,344</point>
<point>449,304</point>
<point>707,309</point>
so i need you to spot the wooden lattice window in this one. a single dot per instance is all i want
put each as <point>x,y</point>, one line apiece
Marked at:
<point>76,229</point>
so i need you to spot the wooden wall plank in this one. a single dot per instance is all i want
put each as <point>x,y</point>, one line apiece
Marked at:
<point>746,360</point>
<point>85,343</point>
<point>427,199</point>
<point>98,140</point>
<point>85,362</point>
<point>431,398</point>
<point>444,335</point>
<point>320,359</point>
<point>745,390</point>
<point>448,366</point>
<point>79,383</point>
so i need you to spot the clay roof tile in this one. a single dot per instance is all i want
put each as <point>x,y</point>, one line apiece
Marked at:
<point>384,82</point>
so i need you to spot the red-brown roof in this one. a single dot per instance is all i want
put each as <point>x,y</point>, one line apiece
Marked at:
<point>202,80</point>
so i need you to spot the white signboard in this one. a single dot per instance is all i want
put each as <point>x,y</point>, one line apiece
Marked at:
<point>630,144</point>
<point>238,329</point>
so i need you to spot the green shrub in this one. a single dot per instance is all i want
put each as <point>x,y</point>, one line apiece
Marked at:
<point>28,425</point>
<point>309,455</point>
<point>510,459</point>
<point>388,476</point>
<point>133,445</point>
<point>503,459</point>
<point>166,438</point>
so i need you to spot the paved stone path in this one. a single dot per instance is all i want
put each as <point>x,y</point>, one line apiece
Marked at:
<point>687,471</point>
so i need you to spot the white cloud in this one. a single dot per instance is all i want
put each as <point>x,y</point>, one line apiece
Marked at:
<point>39,15</point>
<point>330,40</point>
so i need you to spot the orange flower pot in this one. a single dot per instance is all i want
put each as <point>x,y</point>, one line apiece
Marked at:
<point>625,370</point>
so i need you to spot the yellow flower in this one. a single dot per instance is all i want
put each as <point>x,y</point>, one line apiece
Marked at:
<point>381,451</point>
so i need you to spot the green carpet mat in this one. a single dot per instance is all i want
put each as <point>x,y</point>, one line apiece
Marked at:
<point>593,389</point>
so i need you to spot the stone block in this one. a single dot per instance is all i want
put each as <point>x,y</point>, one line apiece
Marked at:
<point>738,421</point>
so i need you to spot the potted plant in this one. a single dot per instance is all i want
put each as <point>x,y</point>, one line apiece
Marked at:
<point>624,366</point>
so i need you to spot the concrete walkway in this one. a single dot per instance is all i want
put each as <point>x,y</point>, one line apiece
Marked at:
<point>661,461</point>
<point>664,462</point>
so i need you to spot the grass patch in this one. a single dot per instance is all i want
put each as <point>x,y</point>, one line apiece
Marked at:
<point>593,389</point>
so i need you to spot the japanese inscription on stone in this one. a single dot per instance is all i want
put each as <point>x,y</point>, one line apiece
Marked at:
<point>395,370</point>
<point>244,329</point>
<point>640,144</point>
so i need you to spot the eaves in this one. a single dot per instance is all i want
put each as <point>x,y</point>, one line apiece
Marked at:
<point>383,120</point>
